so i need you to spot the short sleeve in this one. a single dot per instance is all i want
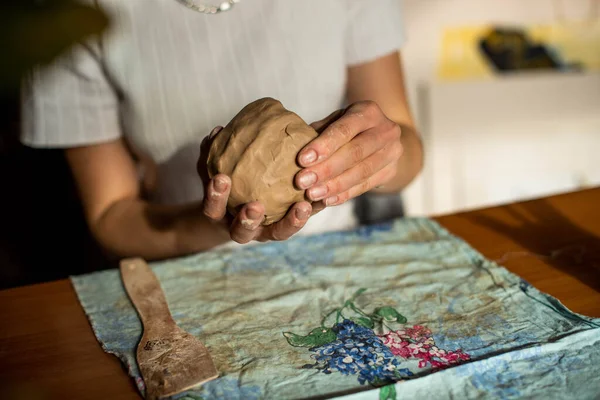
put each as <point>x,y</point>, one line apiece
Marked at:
<point>69,102</point>
<point>374,28</point>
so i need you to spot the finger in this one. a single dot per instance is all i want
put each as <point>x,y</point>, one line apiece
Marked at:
<point>317,207</point>
<point>293,221</point>
<point>246,224</point>
<point>349,155</point>
<point>319,126</point>
<point>356,119</point>
<point>215,199</point>
<point>361,172</point>
<point>203,157</point>
<point>381,177</point>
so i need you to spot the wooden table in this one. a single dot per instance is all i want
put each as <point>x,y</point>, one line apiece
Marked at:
<point>48,350</point>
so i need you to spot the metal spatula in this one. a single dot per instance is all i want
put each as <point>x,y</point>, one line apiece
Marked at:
<point>170,359</point>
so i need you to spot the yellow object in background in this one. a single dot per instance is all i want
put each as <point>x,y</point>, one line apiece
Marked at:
<point>574,42</point>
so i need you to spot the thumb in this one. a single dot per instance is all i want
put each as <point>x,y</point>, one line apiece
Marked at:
<point>216,195</point>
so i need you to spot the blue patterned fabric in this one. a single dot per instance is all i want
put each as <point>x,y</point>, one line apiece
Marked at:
<point>396,310</point>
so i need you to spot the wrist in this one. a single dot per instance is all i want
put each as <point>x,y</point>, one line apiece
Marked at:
<point>409,165</point>
<point>194,232</point>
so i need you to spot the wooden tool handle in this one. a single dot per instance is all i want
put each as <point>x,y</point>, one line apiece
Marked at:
<point>145,292</point>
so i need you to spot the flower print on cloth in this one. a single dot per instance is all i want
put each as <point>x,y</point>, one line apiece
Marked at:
<point>417,343</point>
<point>358,351</point>
<point>351,346</point>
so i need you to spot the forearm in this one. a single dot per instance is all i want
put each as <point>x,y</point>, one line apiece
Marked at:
<point>409,165</point>
<point>135,228</point>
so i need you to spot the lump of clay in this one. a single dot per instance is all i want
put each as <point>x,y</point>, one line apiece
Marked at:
<point>258,150</point>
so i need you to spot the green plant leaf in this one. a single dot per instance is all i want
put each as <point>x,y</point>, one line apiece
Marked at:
<point>387,392</point>
<point>390,314</point>
<point>34,33</point>
<point>364,321</point>
<point>316,337</point>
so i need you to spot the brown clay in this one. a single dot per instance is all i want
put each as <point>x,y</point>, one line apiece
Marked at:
<point>258,150</point>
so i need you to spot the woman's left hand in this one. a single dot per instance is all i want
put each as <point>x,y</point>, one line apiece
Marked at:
<point>358,149</point>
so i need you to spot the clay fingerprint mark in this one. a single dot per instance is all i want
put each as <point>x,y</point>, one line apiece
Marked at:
<point>258,150</point>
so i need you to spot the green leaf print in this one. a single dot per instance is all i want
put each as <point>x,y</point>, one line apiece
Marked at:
<point>364,321</point>
<point>192,397</point>
<point>358,293</point>
<point>387,393</point>
<point>316,337</point>
<point>389,314</point>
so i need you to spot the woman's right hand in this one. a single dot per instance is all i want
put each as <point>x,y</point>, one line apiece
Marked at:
<point>246,225</point>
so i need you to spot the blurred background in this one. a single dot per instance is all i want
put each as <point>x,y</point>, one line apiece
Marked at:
<point>506,94</point>
<point>42,232</point>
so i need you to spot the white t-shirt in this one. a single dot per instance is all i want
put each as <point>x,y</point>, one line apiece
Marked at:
<point>164,75</point>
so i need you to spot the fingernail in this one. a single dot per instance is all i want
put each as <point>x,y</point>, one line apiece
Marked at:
<point>308,157</point>
<point>215,130</point>
<point>253,214</point>
<point>307,179</point>
<point>331,200</point>
<point>220,185</point>
<point>249,224</point>
<point>317,193</point>
<point>302,213</point>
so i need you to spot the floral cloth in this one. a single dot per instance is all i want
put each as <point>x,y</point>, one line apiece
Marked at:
<point>358,351</point>
<point>417,342</point>
<point>396,310</point>
<point>352,346</point>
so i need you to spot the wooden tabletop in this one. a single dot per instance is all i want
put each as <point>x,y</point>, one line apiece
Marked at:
<point>48,350</point>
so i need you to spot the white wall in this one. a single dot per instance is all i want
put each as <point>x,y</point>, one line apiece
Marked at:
<point>426,19</point>
<point>492,142</point>
<point>509,139</point>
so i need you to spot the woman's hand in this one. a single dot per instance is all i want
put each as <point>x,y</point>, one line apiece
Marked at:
<point>358,149</point>
<point>246,225</point>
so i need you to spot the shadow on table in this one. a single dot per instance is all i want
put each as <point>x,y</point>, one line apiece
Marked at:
<point>546,233</point>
